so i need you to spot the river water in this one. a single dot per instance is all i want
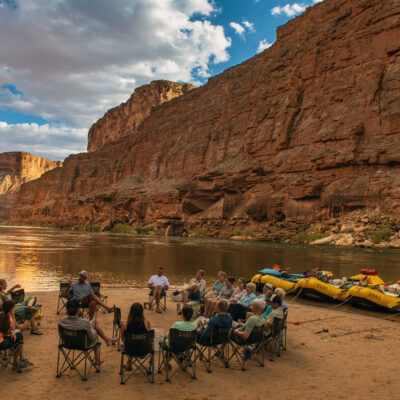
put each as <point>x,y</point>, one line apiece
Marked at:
<point>40,258</point>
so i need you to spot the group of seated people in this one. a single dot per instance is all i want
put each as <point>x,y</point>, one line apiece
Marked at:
<point>11,336</point>
<point>225,306</point>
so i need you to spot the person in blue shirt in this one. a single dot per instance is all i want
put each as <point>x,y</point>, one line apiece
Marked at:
<point>220,320</point>
<point>240,309</point>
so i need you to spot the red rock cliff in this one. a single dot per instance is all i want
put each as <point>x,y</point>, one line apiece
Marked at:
<point>309,127</point>
<point>126,118</point>
<point>17,168</point>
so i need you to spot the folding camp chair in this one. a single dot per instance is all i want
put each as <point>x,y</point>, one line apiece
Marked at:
<point>148,304</point>
<point>18,296</point>
<point>139,348</point>
<point>284,331</point>
<point>116,332</point>
<point>96,290</point>
<point>274,337</point>
<point>62,299</point>
<point>216,349</point>
<point>253,346</point>
<point>7,356</point>
<point>181,349</point>
<point>74,348</point>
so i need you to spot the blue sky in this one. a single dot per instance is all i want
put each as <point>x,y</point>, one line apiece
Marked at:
<point>65,62</point>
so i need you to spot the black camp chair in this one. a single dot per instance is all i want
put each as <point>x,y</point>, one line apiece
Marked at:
<point>62,299</point>
<point>253,346</point>
<point>7,355</point>
<point>96,290</point>
<point>148,304</point>
<point>117,322</point>
<point>181,349</point>
<point>216,349</point>
<point>74,348</point>
<point>274,338</point>
<point>283,342</point>
<point>18,296</point>
<point>140,349</point>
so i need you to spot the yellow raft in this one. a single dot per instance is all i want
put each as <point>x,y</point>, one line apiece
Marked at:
<point>363,289</point>
<point>373,294</point>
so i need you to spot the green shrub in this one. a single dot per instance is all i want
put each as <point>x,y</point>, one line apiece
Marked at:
<point>197,232</point>
<point>87,228</point>
<point>308,237</point>
<point>122,228</point>
<point>144,230</point>
<point>381,235</point>
<point>247,232</point>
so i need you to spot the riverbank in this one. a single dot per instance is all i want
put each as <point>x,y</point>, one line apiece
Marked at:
<point>362,228</point>
<point>357,358</point>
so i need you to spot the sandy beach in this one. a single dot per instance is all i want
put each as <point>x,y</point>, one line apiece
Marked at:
<point>340,364</point>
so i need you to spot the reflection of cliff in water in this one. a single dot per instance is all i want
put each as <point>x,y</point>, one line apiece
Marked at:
<point>41,258</point>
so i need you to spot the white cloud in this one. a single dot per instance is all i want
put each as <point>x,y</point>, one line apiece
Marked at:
<point>317,1</point>
<point>51,141</point>
<point>237,28</point>
<point>249,26</point>
<point>74,59</point>
<point>263,45</point>
<point>290,10</point>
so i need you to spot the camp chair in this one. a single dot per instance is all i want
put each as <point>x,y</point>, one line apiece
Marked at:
<point>253,345</point>
<point>275,338</point>
<point>74,348</point>
<point>7,356</point>
<point>181,349</point>
<point>140,349</point>
<point>96,290</point>
<point>18,296</point>
<point>148,304</point>
<point>215,349</point>
<point>62,299</point>
<point>283,341</point>
<point>116,332</point>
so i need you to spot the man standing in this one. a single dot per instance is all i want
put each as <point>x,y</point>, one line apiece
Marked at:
<point>159,285</point>
<point>82,291</point>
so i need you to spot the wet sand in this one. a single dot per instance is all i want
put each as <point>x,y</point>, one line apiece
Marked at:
<point>358,358</point>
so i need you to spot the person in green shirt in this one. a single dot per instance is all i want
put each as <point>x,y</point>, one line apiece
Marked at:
<point>186,325</point>
<point>242,332</point>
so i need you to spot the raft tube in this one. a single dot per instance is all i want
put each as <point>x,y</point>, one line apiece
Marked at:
<point>372,297</point>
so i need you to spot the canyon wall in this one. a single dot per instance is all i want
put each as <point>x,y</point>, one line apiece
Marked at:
<point>307,129</point>
<point>127,117</point>
<point>17,168</point>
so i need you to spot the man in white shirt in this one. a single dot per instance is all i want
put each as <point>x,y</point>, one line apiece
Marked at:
<point>159,285</point>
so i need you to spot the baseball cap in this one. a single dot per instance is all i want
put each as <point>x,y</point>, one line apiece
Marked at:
<point>84,273</point>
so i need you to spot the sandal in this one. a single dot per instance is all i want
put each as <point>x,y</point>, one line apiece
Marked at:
<point>27,363</point>
<point>36,332</point>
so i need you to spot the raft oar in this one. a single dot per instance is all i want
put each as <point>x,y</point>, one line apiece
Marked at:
<point>312,320</point>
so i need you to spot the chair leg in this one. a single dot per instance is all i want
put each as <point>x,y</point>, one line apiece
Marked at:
<point>122,369</point>
<point>166,366</point>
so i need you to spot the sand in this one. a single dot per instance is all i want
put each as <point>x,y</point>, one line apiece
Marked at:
<point>340,364</point>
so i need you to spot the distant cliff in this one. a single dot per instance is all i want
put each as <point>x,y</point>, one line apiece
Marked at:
<point>307,129</point>
<point>17,168</point>
<point>126,118</point>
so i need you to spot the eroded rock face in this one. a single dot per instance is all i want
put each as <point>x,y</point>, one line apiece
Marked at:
<point>127,117</point>
<point>17,168</point>
<point>307,129</point>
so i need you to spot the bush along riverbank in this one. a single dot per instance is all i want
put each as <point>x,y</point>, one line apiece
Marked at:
<point>359,228</point>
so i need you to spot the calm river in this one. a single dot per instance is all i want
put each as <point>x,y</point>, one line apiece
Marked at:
<point>39,258</point>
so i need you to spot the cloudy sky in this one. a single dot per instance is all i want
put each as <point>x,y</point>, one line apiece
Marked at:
<point>65,62</point>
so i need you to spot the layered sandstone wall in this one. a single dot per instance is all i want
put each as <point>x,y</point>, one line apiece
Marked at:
<point>127,117</point>
<point>308,128</point>
<point>17,168</point>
